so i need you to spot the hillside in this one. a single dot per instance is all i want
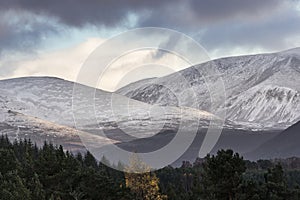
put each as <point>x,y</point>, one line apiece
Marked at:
<point>284,145</point>
<point>262,90</point>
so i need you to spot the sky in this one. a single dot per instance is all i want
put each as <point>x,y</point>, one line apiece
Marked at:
<point>54,38</point>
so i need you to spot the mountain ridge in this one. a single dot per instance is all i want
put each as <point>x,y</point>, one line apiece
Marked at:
<point>245,78</point>
<point>51,99</point>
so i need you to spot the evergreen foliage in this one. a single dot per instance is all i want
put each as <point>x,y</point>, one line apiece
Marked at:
<point>31,173</point>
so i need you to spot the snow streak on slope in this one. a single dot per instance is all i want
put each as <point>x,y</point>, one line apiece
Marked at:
<point>44,97</point>
<point>19,126</point>
<point>51,99</point>
<point>262,90</point>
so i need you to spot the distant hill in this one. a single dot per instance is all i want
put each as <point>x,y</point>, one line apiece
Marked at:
<point>284,145</point>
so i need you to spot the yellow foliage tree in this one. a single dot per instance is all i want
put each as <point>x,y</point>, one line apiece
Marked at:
<point>141,181</point>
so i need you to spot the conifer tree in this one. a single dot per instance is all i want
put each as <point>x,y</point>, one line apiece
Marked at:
<point>276,184</point>
<point>222,175</point>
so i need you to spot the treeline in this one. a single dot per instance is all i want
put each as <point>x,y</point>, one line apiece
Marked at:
<point>30,172</point>
<point>226,176</point>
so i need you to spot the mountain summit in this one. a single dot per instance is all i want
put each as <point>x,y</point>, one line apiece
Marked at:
<point>262,91</point>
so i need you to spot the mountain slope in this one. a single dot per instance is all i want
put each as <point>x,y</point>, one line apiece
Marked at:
<point>19,126</point>
<point>284,145</point>
<point>241,141</point>
<point>50,99</point>
<point>262,90</point>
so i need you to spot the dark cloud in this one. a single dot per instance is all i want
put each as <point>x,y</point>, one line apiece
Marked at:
<point>112,12</point>
<point>80,13</point>
<point>21,28</point>
<point>221,10</point>
<point>191,15</point>
<point>271,34</point>
<point>22,32</point>
<point>188,16</point>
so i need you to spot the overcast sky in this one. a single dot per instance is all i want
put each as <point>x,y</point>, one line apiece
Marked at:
<point>54,37</point>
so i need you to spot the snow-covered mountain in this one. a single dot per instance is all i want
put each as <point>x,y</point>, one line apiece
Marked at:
<point>262,91</point>
<point>50,99</point>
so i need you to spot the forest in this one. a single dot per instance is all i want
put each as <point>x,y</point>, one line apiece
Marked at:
<point>48,172</point>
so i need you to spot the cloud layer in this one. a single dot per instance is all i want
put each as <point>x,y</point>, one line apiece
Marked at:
<point>113,12</point>
<point>227,27</point>
<point>24,23</point>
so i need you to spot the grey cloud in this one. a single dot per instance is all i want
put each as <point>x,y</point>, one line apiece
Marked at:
<point>79,13</point>
<point>195,14</point>
<point>112,12</point>
<point>22,32</point>
<point>188,16</point>
<point>215,10</point>
<point>225,25</point>
<point>271,34</point>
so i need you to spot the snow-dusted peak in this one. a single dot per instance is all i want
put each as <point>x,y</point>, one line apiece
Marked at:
<point>244,78</point>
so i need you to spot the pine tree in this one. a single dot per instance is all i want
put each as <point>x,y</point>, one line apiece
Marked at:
<point>12,187</point>
<point>36,187</point>
<point>276,184</point>
<point>9,161</point>
<point>90,161</point>
<point>222,175</point>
